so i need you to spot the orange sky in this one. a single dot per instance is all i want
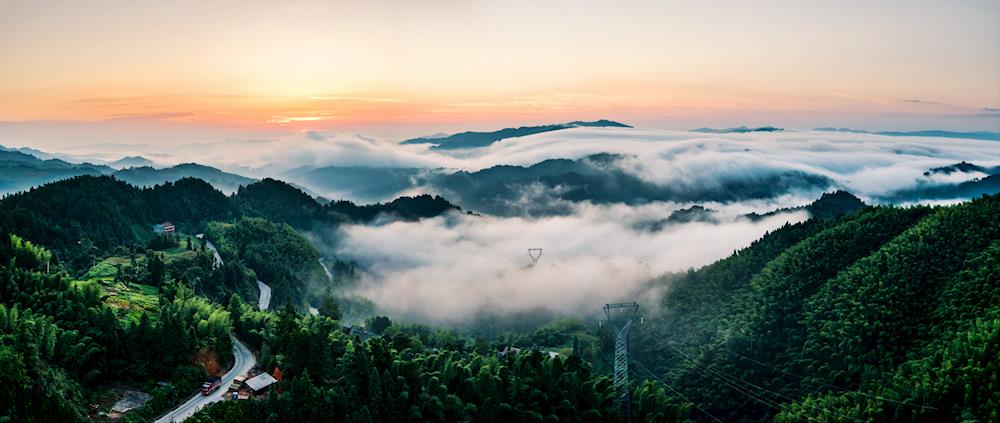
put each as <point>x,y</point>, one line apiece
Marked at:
<point>454,64</point>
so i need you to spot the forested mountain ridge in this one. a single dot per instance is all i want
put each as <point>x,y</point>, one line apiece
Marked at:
<point>861,313</point>
<point>147,176</point>
<point>86,217</point>
<point>22,169</point>
<point>474,139</point>
<point>280,202</point>
<point>886,314</point>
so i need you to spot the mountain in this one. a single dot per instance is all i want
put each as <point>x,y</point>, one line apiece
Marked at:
<point>962,167</point>
<point>947,191</point>
<point>930,189</point>
<point>552,186</point>
<point>146,176</point>
<point>278,201</point>
<point>105,212</point>
<point>402,208</point>
<point>880,314</point>
<point>694,213</point>
<point>738,130</point>
<point>356,182</point>
<point>474,139</point>
<point>831,205</point>
<point>885,314</point>
<point>973,135</point>
<point>130,161</point>
<point>544,188</point>
<point>20,170</point>
<point>44,155</point>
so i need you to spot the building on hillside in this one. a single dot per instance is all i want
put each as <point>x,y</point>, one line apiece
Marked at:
<point>258,384</point>
<point>165,227</point>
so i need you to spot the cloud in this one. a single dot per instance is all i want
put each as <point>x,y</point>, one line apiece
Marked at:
<point>452,269</point>
<point>867,165</point>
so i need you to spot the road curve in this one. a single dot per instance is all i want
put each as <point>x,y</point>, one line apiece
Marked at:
<point>326,270</point>
<point>264,301</point>
<point>217,263</point>
<point>244,361</point>
<point>313,310</point>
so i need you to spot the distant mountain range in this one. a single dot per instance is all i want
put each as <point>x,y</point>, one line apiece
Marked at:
<point>130,161</point>
<point>146,176</point>
<point>974,135</point>
<point>552,186</point>
<point>962,167</point>
<point>22,169</point>
<point>475,139</point>
<point>738,130</point>
<point>357,182</point>
<point>830,205</point>
<point>928,189</point>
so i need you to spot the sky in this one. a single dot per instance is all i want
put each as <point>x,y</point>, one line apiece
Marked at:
<point>124,71</point>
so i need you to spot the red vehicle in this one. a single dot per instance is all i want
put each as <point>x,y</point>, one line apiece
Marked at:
<point>211,385</point>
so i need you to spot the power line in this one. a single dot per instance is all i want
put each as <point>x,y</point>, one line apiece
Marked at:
<point>717,371</point>
<point>728,381</point>
<point>676,392</point>
<point>841,388</point>
<point>743,304</point>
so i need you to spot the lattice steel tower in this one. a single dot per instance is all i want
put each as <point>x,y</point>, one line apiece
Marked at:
<point>535,254</point>
<point>620,317</point>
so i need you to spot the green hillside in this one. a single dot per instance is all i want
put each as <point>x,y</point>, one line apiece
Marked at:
<point>884,315</point>
<point>859,314</point>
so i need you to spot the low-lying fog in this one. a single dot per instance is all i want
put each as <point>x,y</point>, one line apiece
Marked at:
<point>450,269</point>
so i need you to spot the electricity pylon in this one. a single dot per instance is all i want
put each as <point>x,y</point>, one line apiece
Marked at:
<point>620,322</point>
<point>535,254</point>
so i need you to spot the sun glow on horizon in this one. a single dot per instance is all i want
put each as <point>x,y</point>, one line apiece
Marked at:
<point>355,66</point>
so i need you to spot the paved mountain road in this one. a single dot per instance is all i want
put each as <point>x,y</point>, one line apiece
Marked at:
<point>264,300</point>
<point>244,361</point>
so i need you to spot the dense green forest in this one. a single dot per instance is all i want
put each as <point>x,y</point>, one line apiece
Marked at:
<point>860,314</point>
<point>887,314</point>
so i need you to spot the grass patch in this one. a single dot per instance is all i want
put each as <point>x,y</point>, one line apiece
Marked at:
<point>129,301</point>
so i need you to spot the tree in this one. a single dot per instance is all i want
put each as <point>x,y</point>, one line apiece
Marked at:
<point>330,308</point>
<point>378,324</point>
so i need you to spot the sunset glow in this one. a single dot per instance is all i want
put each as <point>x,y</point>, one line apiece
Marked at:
<point>399,68</point>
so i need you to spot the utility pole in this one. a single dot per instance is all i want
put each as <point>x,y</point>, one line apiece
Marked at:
<point>620,317</point>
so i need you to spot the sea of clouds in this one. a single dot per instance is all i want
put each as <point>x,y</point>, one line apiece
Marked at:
<point>453,268</point>
<point>867,165</point>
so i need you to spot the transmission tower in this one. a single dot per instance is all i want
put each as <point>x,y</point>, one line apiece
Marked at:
<point>535,254</point>
<point>620,317</point>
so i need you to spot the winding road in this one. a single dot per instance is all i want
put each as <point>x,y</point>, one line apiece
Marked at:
<point>215,253</point>
<point>313,310</point>
<point>264,300</point>
<point>244,361</point>
<point>265,295</point>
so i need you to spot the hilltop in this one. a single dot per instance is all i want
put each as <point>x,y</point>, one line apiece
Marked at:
<point>475,139</point>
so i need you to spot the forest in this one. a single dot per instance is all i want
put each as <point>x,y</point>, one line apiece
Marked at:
<point>858,314</point>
